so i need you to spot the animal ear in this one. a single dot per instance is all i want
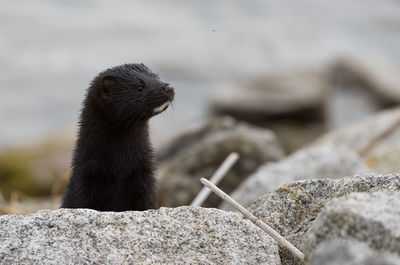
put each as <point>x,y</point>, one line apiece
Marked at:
<point>109,85</point>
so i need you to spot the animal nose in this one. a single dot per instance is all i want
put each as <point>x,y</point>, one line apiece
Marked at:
<point>168,89</point>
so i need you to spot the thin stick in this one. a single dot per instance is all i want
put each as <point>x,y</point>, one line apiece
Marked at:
<point>216,178</point>
<point>280,239</point>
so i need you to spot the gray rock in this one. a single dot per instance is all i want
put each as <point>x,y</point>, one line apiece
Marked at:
<point>350,252</point>
<point>292,208</point>
<point>384,159</point>
<point>331,94</point>
<point>377,76</point>
<point>369,136</point>
<point>273,94</point>
<point>193,135</point>
<point>369,217</point>
<point>179,176</point>
<point>294,132</point>
<point>290,91</point>
<point>325,162</point>
<point>185,235</point>
<point>376,140</point>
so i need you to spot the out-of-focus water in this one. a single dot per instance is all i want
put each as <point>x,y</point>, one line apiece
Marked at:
<point>50,50</point>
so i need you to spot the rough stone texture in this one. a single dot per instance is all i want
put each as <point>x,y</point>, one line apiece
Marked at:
<point>369,217</point>
<point>292,208</point>
<point>185,235</point>
<point>325,162</point>
<point>179,177</point>
<point>360,136</point>
<point>350,252</point>
<point>274,94</point>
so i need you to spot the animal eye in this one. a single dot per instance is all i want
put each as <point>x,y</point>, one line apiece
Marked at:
<point>139,88</point>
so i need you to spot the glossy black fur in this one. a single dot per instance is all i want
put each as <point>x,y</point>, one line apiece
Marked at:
<point>112,167</point>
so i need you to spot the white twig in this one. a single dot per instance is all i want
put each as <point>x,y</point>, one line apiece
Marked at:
<point>216,178</point>
<point>280,239</point>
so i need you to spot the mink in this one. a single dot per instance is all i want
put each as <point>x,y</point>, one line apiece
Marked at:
<point>113,165</point>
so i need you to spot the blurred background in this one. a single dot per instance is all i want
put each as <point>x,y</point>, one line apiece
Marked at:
<point>297,68</point>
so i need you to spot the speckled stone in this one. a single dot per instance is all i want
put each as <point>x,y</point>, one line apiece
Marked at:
<point>324,162</point>
<point>179,176</point>
<point>350,252</point>
<point>369,217</point>
<point>185,235</point>
<point>292,208</point>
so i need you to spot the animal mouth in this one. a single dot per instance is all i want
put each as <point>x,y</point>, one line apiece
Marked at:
<point>161,108</point>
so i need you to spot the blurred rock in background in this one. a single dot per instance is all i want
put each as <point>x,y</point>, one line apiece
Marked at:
<point>376,140</point>
<point>301,104</point>
<point>179,174</point>
<point>311,163</point>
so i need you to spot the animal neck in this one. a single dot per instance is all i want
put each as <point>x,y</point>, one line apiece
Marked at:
<point>119,150</point>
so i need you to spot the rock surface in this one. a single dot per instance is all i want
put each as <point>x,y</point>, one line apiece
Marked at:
<point>179,180</point>
<point>274,94</point>
<point>369,217</point>
<point>322,95</point>
<point>376,140</point>
<point>292,208</point>
<point>385,159</point>
<point>292,91</point>
<point>365,137</point>
<point>350,252</point>
<point>183,235</point>
<point>192,135</point>
<point>289,102</point>
<point>374,75</point>
<point>325,162</point>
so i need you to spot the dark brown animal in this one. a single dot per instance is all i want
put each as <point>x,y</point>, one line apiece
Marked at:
<point>112,167</point>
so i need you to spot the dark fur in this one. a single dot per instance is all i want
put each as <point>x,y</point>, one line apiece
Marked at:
<point>112,167</point>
